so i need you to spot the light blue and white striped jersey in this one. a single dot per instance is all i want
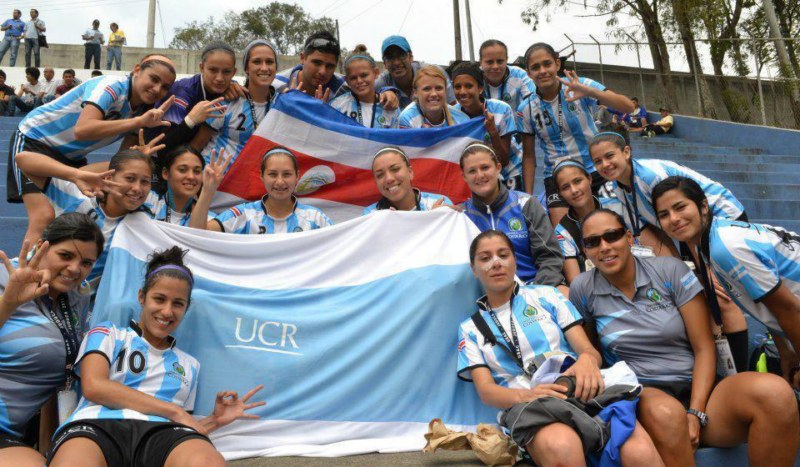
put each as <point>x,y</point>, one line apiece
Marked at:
<point>540,314</point>
<point>515,88</point>
<point>252,218</point>
<point>506,122</point>
<point>412,117</point>
<point>232,131</point>
<point>385,80</point>
<point>54,123</point>
<point>647,173</point>
<point>425,202</point>
<point>158,207</point>
<point>751,261</point>
<point>562,134</point>
<point>33,357</point>
<point>67,197</point>
<point>371,115</point>
<point>169,375</point>
<point>569,247</point>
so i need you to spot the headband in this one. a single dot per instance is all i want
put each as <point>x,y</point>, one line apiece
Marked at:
<point>469,69</point>
<point>391,149</point>
<point>568,163</point>
<point>254,44</point>
<point>173,267</point>
<point>610,133</point>
<point>278,150</point>
<point>479,145</point>
<point>359,57</point>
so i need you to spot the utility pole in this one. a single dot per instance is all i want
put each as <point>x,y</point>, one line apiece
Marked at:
<point>151,24</point>
<point>780,47</point>
<point>457,27</point>
<point>341,59</point>
<point>469,33</point>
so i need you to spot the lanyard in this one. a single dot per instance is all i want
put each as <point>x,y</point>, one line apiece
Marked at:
<point>361,117</point>
<point>560,117</point>
<point>513,345</point>
<point>61,315</point>
<point>253,112</point>
<point>633,213</point>
<point>708,284</point>
<point>487,93</point>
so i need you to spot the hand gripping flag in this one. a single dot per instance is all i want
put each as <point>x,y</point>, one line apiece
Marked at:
<point>335,154</point>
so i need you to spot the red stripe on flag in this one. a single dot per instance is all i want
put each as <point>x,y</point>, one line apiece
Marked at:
<point>352,185</point>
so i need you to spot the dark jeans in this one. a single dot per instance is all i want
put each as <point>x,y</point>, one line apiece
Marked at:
<point>16,102</point>
<point>655,129</point>
<point>32,45</point>
<point>92,50</point>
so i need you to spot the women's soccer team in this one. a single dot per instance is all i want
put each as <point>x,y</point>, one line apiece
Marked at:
<point>611,236</point>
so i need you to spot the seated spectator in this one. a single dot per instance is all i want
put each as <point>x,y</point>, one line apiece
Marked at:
<point>660,127</point>
<point>96,73</point>
<point>6,92</point>
<point>49,85</point>
<point>68,82</point>
<point>636,120</point>
<point>27,98</point>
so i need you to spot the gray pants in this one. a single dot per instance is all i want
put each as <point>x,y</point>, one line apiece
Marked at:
<point>114,54</point>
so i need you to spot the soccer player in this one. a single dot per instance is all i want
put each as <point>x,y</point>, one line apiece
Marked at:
<point>499,120</point>
<point>361,102</point>
<point>393,175</point>
<point>139,389</point>
<point>504,82</point>
<point>430,108</point>
<point>43,308</point>
<point>651,313</point>
<point>96,114</point>
<point>401,70</point>
<point>278,211</point>
<point>561,116</point>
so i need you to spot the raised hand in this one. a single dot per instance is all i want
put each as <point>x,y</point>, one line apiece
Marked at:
<point>228,407</point>
<point>94,184</point>
<point>488,122</point>
<point>575,89</point>
<point>215,170</point>
<point>155,117</point>
<point>322,95</point>
<point>150,148</point>
<point>26,282</point>
<point>235,91</point>
<point>204,110</point>
<point>389,100</point>
<point>294,83</point>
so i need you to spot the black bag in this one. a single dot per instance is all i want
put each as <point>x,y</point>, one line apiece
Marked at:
<point>43,41</point>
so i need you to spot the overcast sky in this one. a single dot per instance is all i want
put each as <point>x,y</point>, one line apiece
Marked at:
<point>428,24</point>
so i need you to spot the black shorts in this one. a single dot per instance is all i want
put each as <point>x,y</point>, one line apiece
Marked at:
<point>11,441</point>
<point>128,442</point>
<point>555,201</point>
<point>681,390</point>
<point>17,184</point>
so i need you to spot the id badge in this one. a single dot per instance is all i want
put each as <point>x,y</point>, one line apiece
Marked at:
<point>67,401</point>
<point>725,365</point>
<point>640,251</point>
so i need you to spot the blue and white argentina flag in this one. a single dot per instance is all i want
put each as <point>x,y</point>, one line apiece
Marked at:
<point>349,328</point>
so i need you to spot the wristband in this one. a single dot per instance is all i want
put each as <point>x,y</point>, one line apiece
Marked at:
<point>189,122</point>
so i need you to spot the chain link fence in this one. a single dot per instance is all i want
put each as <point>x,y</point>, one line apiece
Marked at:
<point>747,88</point>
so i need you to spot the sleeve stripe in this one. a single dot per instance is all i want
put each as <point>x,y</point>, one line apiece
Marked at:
<point>111,91</point>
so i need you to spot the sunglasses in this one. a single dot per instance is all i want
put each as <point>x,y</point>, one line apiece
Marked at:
<point>611,236</point>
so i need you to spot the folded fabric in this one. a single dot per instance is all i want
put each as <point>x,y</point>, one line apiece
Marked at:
<point>492,447</point>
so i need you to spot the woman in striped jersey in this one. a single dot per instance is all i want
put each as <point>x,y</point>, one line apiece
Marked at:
<point>504,82</point>
<point>138,389</point>
<point>430,108</point>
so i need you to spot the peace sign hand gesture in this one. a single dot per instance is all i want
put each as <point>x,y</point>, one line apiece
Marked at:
<point>228,407</point>
<point>26,282</point>
<point>215,170</point>
<point>575,89</point>
<point>151,148</point>
<point>154,117</point>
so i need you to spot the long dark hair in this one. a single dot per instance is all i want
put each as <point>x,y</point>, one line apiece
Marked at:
<point>171,263</point>
<point>73,226</point>
<point>690,188</point>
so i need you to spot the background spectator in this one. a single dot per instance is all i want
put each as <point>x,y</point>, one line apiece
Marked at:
<point>6,92</point>
<point>96,73</point>
<point>67,82</point>
<point>660,127</point>
<point>636,120</point>
<point>14,28</point>
<point>33,28</point>
<point>115,42</point>
<point>49,84</point>
<point>27,98</point>
<point>93,38</point>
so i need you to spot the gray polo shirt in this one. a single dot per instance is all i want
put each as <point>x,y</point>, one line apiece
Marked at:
<point>386,80</point>
<point>647,332</point>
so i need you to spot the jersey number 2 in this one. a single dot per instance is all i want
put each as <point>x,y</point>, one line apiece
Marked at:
<point>240,127</point>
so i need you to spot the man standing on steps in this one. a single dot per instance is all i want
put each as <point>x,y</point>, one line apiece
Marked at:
<point>93,38</point>
<point>33,29</point>
<point>401,68</point>
<point>14,28</point>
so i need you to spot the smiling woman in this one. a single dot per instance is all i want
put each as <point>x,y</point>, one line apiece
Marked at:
<point>430,107</point>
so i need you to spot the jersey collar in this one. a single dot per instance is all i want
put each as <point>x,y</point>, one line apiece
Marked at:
<point>136,328</point>
<point>384,202</point>
<point>264,205</point>
<point>483,302</point>
<point>641,279</point>
<point>495,205</point>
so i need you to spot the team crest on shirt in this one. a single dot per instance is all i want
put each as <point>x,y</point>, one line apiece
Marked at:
<point>515,224</point>
<point>506,97</point>
<point>179,369</point>
<point>179,373</point>
<point>382,120</point>
<point>530,311</point>
<point>657,303</point>
<point>297,229</point>
<point>653,295</point>
<point>462,344</point>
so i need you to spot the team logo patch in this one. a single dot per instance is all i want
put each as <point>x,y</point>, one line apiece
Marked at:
<point>653,295</point>
<point>297,229</point>
<point>181,102</point>
<point>515,224</point>
<point>382,120</point>
<point>179,369</point>
<point>507,97</point>
<point>462,344</point>
<point>572,107</point>
<point>530,311</point>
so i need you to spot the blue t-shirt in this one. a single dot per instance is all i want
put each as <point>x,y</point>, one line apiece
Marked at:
<point>16,29</point>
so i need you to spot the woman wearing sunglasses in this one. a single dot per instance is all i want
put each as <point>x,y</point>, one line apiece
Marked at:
<point>651,313</point>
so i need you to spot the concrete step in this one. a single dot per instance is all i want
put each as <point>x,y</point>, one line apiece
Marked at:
<point>772,209</point>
